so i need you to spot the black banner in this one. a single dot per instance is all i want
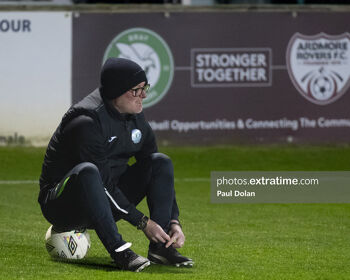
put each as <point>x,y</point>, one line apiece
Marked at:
<point>230,77</point>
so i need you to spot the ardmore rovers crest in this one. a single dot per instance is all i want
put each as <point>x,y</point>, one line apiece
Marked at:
<point>319,66</point>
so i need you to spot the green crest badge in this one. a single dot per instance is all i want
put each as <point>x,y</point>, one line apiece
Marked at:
<point>152,53</point>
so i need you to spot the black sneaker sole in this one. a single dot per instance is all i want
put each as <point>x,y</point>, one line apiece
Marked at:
<point>157,259</point>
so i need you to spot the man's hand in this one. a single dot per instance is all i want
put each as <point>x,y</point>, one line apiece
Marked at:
<point>155,233</point>
<point>177,237</point>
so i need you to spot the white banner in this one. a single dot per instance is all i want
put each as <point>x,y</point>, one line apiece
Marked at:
<point>35,73</point>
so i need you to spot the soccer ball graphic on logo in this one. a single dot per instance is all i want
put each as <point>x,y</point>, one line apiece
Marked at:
<point>322,87</point>
<point>67,245</point>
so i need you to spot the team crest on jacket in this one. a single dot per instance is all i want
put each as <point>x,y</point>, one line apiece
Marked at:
<point>136,136</point>
<point>319,66</point>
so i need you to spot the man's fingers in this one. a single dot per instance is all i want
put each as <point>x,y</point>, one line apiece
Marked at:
<point>173,239</point>
<point>180,239</point>
<point>175,236</point>
<point>168,244</point>
<point>178,244</point>
<point>166,237</point>
<point>163,237</point>
<point>171,242</point>
<point>155,233</point>
<point>160,239</point>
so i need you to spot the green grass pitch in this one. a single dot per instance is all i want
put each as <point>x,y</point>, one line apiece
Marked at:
<point>231,241</point>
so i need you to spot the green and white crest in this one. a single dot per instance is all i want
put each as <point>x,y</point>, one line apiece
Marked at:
<point>152,53</point>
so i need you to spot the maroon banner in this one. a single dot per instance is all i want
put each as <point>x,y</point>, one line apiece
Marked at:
<point>231,77</point>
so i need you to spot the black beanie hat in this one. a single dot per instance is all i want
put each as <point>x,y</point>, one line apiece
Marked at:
<point>118,75</point>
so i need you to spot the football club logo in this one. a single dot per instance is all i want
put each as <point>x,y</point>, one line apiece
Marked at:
<point>152,53</point>
<point>136,136</point>
<point>319,66</point>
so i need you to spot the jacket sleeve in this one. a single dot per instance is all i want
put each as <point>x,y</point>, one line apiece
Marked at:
<point>90,146</point>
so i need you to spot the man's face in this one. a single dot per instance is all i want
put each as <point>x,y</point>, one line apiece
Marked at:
<point>127,103</point>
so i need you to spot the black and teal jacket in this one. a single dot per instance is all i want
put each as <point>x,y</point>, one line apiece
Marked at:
<point>103,137</point>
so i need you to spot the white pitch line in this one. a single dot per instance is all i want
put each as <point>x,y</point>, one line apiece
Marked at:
<point>19,182</point>
<point>193,179</point>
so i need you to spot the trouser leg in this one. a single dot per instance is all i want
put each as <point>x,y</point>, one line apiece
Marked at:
<point>152,177</point>
<point>80,202</point>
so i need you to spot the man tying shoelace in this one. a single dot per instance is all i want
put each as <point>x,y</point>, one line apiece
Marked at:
<point>86,181</point>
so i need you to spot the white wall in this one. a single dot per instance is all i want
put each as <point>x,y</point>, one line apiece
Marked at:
<point>35,72</point>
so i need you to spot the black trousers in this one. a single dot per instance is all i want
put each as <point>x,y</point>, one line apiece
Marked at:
<point>80,200</point>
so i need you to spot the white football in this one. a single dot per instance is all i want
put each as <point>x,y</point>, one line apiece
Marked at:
<point>67,245</point>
